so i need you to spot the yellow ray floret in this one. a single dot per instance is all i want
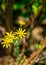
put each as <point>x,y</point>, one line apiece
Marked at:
<point>6,42</point>
<point>21,33</point>
<point>10,35</point>
<point>21,22</point>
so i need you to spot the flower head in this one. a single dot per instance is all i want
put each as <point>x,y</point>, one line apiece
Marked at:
<point>21,33</point>
<point>6,42</point>
<point>10,35</point>
<point>21,22</point>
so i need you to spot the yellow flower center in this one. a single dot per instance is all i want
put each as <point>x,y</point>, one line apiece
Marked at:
<point>6,41</point>
<point>10,36</point>
<point>21,33</point>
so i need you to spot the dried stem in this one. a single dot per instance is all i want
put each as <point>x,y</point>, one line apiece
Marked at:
<point>35,53</point>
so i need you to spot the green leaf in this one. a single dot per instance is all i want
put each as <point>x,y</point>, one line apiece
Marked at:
<point>3,6</point>
<point>35,9</point>
<point>38,46</point>
<point>40,1</point>
<point>18,6</point>
<point>44,9</point>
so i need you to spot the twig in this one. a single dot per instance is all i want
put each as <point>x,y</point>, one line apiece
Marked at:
<point>32,56</point>
<point>41,58</point>
<point>35,53</point>
<point>37,59</point>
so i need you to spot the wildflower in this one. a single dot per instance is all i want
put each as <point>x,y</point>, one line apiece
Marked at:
<point>10,35</point>
<point>21,33</point>
<point>21,22</point>
<point>6,42</point>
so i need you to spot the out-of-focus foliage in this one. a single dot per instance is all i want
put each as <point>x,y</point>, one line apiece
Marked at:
<point>25,7</point>
<point>38,46</point>
<point>3,6</point>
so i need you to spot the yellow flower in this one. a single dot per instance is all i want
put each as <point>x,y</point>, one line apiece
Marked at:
<point>21,22</point>
<point>6,42</point>
<point>10,35</point>
<point>21,33</point>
